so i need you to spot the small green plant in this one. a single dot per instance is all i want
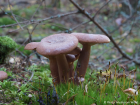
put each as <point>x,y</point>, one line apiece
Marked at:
<point>7,45</point>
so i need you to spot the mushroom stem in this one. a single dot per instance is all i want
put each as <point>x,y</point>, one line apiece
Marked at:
<point>54,70</point>
<point>70,59</point>
<point>71,71</point>
<point>83,60</point>
<point>63,67</point>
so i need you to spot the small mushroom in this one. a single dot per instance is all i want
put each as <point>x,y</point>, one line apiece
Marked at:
<point>131,92</point>
<point>70,59</point>
<point>87,40</point>
<point>3,75</point>
<point>57,46</point>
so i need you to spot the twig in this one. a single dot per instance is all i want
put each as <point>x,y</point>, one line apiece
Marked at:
<point>121,24</point>
<point>111,62</point>
<point>30,39</point>
<point>31,77</point>
<point>83,11</point>
<point>69,99</point>
<point>14,15</point>
<point>92,17</point>
<point>30,33</point>
<point>83,23</point>
<point>100,9</point>
<point>127,33</point>
<point>21,53</point>
<point>39,21</point>
<point>37,10</point>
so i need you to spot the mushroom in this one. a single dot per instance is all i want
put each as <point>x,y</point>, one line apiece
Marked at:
<point>53,63</point>
<point>3,75</point>
<point>131,91</point>
<point>71,57</point>
<point>57,46</point>
<point>87,40</point>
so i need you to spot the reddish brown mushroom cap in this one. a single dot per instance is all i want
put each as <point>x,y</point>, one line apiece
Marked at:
<point>70,58</point>
<point>76,51</point>
<point>31,46</point>
<point>91,38</point>
<point>57,44</point>
<point>3,75</point>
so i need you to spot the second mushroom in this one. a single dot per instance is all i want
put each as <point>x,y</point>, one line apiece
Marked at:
<point>87,40</point>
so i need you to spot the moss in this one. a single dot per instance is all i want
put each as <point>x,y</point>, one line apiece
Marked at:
<point>138,76</point>
<point>54,27</point>
<point>6,21</point>
<point>136,40</point>
<point>41,88</point>
<point>25,12</point>
<point>7,45</point>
